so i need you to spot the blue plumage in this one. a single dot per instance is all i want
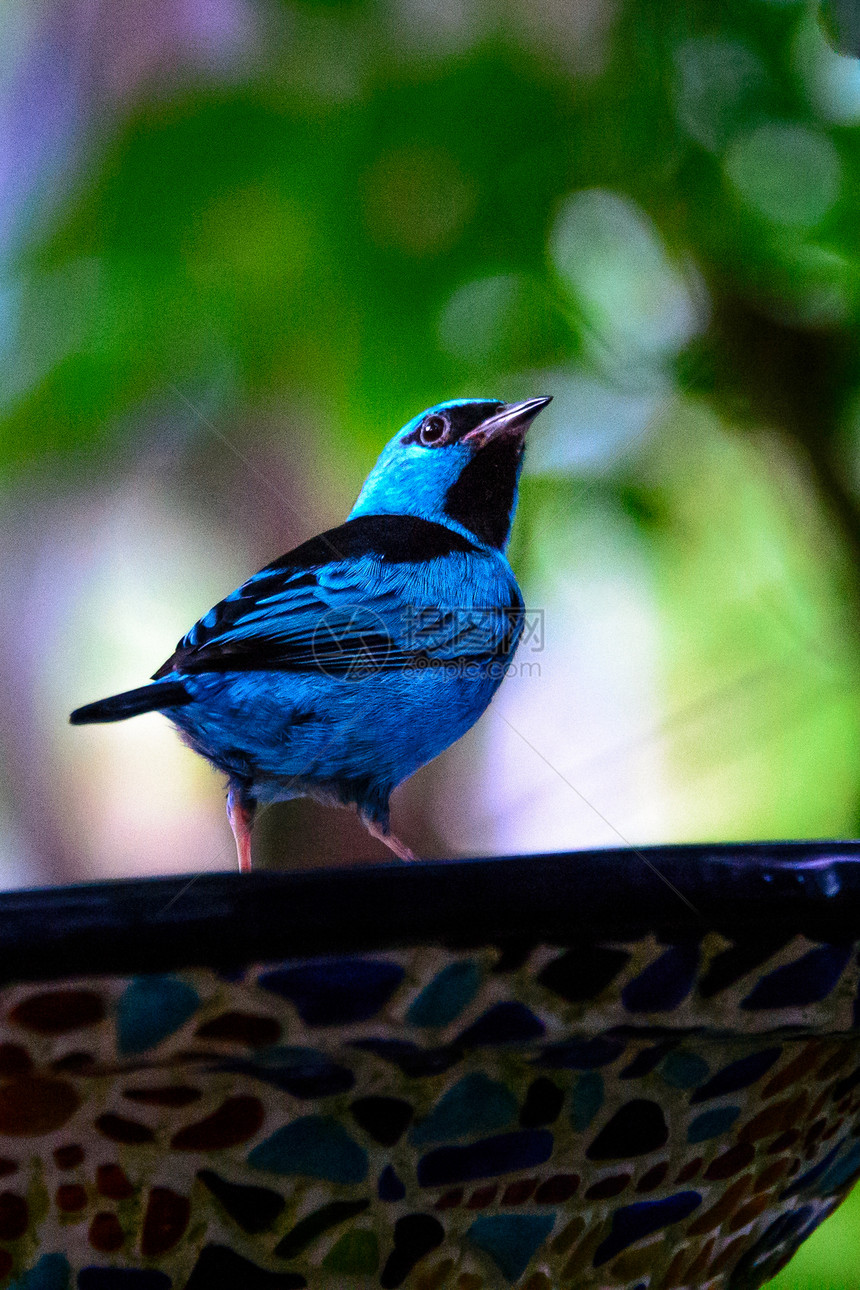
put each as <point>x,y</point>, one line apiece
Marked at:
<point>338,670</point>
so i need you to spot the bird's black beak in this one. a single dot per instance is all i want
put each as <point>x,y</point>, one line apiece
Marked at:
<point>511,422</point>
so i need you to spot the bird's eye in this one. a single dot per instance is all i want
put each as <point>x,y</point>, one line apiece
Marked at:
<point>433,429</point>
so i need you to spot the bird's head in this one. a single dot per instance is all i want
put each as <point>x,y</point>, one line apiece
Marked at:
<point>458,463</point>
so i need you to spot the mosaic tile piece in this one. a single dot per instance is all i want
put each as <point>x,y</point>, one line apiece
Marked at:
<point>542,1105</point>
<point>583,973</point>
<point>664,983</point>
<point>51,1272</point>
<point>221,1268</point>
<point>336,992</point>
<point>737,1075</point>
<point>475,1105</point>
<point>582,1054</point>
<point>150,1009</point>
<point>386,1119</point>
<point>511,1239</point>
<point>632,1222</point>
<point>500,1154</point>
<point>390,1187</point>
<point>313,1146</point>
<point>415,1235</point>
<point>505,1023</point>
<point>313,1225</point>
<point>303,1072</point>
<point>110,1278</point>
<point>712,1124</point>
<point>255,1209</point>
<point>57,1012</point>
<point>808,980</point>
<point>637,1128</point>
<point>588,1096</point>
<point>444,998</point>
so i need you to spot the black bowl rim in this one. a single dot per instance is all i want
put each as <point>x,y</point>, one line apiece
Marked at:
<point>747,891</point>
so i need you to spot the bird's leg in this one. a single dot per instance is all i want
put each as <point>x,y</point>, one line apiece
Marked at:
<point>400,849</point>
<point>240,813</point>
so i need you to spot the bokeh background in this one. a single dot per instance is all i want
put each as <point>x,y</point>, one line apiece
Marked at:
<point>242,241</point>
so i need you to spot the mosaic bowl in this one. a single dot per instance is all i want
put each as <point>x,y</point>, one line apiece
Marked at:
<point>614,1069</point>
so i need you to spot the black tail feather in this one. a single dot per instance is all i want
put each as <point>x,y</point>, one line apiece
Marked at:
<point>149,698</point>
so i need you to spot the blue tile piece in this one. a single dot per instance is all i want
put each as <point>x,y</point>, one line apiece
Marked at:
<point>664,983</point>
<point>586,1100</point>
<point>303,1072</point>
<point>632,1222</point>
<point>390,1187</point>
<point>52,1272</point>
<point>445,997</point>
<point>684,1070</point>
<point>476,1104</point>
<point>150,1009</point>
<point>487,1158</point>
<point>336,992</point>
<point>805,1181</point>
<point>776,1244</point>
<point>808,980</point>
<point>511,1239</point>
<point>504,1023</point>
<point>313,1146</point>
<point>107,1278</point>
<point>415,1062</point>
<point>582,1054</point>
<point>840,1172</point>
<point>710,1124</point>
<point>737,1075</point>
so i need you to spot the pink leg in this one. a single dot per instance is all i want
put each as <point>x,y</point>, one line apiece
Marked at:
<point>394,844</point>
<point>241,816</point>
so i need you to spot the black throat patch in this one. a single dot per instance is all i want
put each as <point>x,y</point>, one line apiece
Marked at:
<point>482,498</point>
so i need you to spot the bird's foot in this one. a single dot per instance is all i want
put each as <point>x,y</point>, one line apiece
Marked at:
<point>400,849</point>
<point>240,812</point>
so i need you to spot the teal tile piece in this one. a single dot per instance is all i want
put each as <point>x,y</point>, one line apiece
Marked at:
<point>685,1070</point>
<point>52,1272</point>
<point>152,1008</point>
<point>586,1099</point>
<point>314,1146</point>
<point>445,997</point>
<point>511,1239</point>
<point>710,1124</point>
<point>474,1106</point>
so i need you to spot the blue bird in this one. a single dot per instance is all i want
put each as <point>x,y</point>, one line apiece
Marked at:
<point>338,670</point>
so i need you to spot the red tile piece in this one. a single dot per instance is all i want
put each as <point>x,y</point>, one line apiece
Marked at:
<point>14,1216</point>
<point>558,1189</point>
<point>56,1012</point>
<point>112,1182</point>
<point>69,1157</point>
<point>119,1129</point>
<point>167,1216</point>
<point>105,1234</point>
<point>251,1029</point>
<point>731,1162</point>
<point>235,1121</point>
<point>70,1197</point>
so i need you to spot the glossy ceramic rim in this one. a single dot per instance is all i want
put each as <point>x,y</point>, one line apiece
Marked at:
<point>678,893</point>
